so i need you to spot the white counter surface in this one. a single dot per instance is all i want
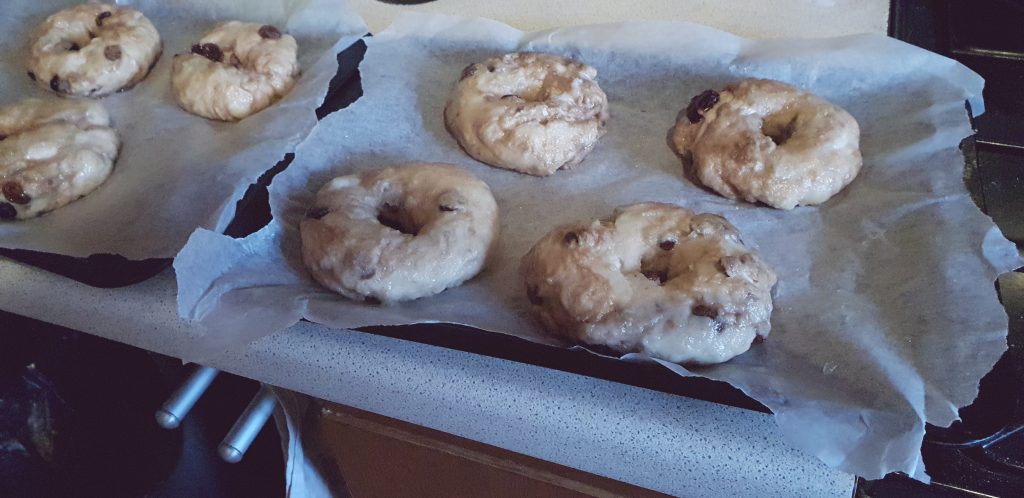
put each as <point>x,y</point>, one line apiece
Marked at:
<point>747,18</point>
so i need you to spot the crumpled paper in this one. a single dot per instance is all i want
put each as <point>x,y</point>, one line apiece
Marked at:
<point>886,316</point>
<point>303,478</point>
<point>176,171</point>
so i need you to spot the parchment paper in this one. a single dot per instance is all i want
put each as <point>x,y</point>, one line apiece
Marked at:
<point>886,316</point>
<point>176,171</point>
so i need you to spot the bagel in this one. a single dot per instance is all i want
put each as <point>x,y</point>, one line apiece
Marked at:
<point>766,141</point>
<point>236,70</point>
<point>528,112</point>
<point>399,233</point>
<point>656,279</point>
<point>51,153</point>
<point>93,50</point>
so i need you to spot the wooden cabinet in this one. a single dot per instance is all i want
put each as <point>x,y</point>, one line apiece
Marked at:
<point>378,456</point>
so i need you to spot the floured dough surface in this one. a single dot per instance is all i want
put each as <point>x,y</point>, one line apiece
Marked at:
<point>399,233</point>
<point>766,141</point>
<point>236,70</point>
<point>529,112</point>
<point>51,153</point>
<point>93,50</point>
<point>655,279</point>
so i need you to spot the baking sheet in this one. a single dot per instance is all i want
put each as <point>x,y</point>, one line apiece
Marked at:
<point>176,171</point>
<point>886,316</point>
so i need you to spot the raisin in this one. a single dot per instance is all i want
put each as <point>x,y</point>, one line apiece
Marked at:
<point>705,310</point>
<point>59,85</point>
<point>7,211</point>
<point>15,193</point>
<point>468,71</point>
<point>667,245</point>
<point>102,16</point>
<point>701,103</point>
<point>74,47</point>
<point>209,50</point>
<point>371,300</point>
<point>2,137</point>
<point>720,266</point>
<point>531,294</point>
<point>658,276</point>
<point>269,32</point>
<point>317,213</point>
<point>444,208</point>
<point>571,238</point>
<point>367,274</point>
<point>32,75</point>
<point>112,52</point>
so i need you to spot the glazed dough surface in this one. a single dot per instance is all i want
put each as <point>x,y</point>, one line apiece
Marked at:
<point>236,70</point>
<point>765,141</point>
<point>529,112</point>
<point>399,233</point>
<point>51,153</point>
<point>93,50</point>
<point>655,279</point>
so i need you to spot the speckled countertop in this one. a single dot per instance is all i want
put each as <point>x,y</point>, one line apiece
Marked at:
<point>660,441</point>
<point>665,442</point>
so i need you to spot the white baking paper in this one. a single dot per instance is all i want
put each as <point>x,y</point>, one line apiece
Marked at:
<point>176,171</point>
<point>302,477</point>
<point>885,312</point>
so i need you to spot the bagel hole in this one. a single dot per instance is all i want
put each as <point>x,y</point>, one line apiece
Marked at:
<point>392,217</point>
<point>532,293</point>
<point>538,91</point>
<point>779,130</point>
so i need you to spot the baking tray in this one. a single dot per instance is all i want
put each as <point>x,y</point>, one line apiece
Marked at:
<point>251,212</point>
<point>581,362</point>
<point>497,345</point>
<point>347,88</point>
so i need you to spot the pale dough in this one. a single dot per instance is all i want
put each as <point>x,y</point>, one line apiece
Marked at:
<point>236,70</point>
<point>655,279</point>
<point>528,112</point>
<point>93,50</point>
<point>399,233</point>
<point>51,153</point>
<point>766,141</point>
